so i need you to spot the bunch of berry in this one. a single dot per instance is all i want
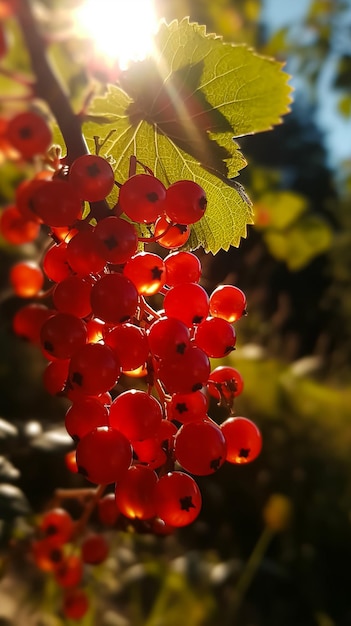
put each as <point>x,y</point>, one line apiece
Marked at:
<point>98,329</point>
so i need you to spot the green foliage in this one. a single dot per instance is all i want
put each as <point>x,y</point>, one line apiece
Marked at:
<point>178,113</point>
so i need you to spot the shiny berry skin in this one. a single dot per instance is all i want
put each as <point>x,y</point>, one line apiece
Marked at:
<point>169,235</point>
<point>136,414</point>
<point>114,298</point>
<point>75,604</point>
<point>130,344</point>
<point>62,335</point>
<point>228,302</point>
<point>182,267</point>
<point>55,264</point>
<point>94,549</point>
<point>185,202</point>
<point>244,440</point>
<point>56,526</point>
<point>46,556</point>
<point>168,337</point>
<point>56,203</point>
<point>92,176</point>
<point>55,376</point>
<point>28,321</point>
<point>209,453</point>
<point>216,337</point>
<point>117,239</point>
<point>187,407</point>
<point>93,369</point>
<point>24,194</point>
<point>141,198</point>
<point>26,279</point>
<point>83,416</point>
<point>188,302</point>
<point>135,493</point>
<point>225,381</point>
<point>72,295</point>
<point>184,373</point>
<point>103,455</point>
<point>154,451</point>
<point>147,272</point>
<point>83,254</point>
<point>178,499</point>
<point>29,133</point>
<point>17,229</point>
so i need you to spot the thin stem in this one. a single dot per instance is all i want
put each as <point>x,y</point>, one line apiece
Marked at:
<point>88,509</point>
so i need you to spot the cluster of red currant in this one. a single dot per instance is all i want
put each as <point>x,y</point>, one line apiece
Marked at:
<point>97,327</point>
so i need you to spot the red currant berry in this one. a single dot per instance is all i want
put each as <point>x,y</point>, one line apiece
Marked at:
<point>147,272</point>
<point>130,344</point>
<point>29,133</point>
<point>114,298</point>
<point>56,526</point>
<point>187,407</point>
<point>188,302</point>
<point>244,440</point>
<point>83,254</point>
<point>93,369</point>
<point>178,499</point>
<point>107,510</point>
<point>26,279</point>
<point>117,239</point>
<point>69,572</point>
<point>135,493</point>
<point>136,414</point>
<point>92,176</point>
<point>216,337</point>
<point>184,373</point>
<point>182,267</point>
<point>62,335</point>
<point>103,455</point>
<point>228,302</point>
<point>55,264</point>
<point>209,453</point>
<point>141,198</point>
<point>185,202</point>
<point>225,381</point>
<point>72,295</point>
<point>168,337</point>
<point>17,229</point>
<point>83,416</point>
<point>56,203</point>
<point>175,235</point>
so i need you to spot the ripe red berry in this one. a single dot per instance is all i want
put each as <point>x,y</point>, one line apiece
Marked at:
<point>182,267</point>
<point>72,295</point>
<point>83,416</point>
<point>188,302</point>
<point>215,336</point>
<point>69,572</point>
<point>187,407</point>
<point>184,373</point>
<point>92,176</point>
<point>117,239</point>
<point>29,133</point>
<point>225,381</point>
<point>168,337</point>
<point>103,455</point>
<point>147,272</point>
<point>93,369</point>
<point>244,440</point>
<point>170,235</point>
<point>56,526</point>
<point>26,279</point>
<point>130,344</point>
<point>136,414</point>
<point>209,453</point>
<point>56,203</point>
<point>135,493</point>
<point>141,198</point>
<point>107,510</point>
<point>17,229</point>
<point>62,335</point>
<point>178,499</point>
<point>228,302</point>
<point>185,202</point>
<point>114,298</point>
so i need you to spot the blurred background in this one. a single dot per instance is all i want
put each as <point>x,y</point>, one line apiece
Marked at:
<point>273,542</point>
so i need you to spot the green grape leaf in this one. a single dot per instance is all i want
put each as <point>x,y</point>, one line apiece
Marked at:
<point>179,113</point>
